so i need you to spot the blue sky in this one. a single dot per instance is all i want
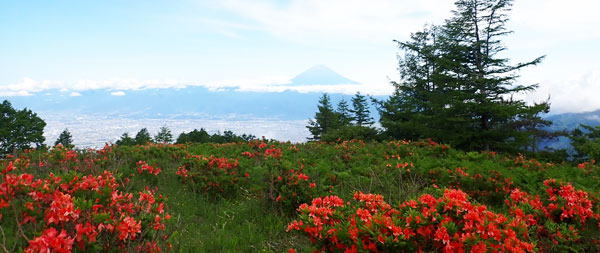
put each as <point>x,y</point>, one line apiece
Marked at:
<point>78,45</point>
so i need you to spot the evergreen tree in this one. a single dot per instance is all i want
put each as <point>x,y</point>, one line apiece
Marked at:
<point>125,140</point>
<point>247,137</point>
<point>19,129</point>
<point>410,112</point>
<point>143,137</point>
<point>344,111</point>
<point>65,139</point>
<point>164,135</point>
<point>201,136</point>
<point>227,137</point>
<point>195,136</point>
<point>456,88</point>
<point>473,36</point>
<point>586,142</point>
<point>326,119</point>
<point>360,110</point>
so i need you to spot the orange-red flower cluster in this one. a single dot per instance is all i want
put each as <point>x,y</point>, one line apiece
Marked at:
<point>80,212</point>
<point>560,215</point>
<point>213,175</point>
<point>293,187</point>
<point>143,166</point>
<point>450,223</point>
<point>273,153</point>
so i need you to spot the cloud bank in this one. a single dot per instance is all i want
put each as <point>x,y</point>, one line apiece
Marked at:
<point>28,86</point>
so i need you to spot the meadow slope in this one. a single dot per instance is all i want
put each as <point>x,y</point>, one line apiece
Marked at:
<point>244,197</point>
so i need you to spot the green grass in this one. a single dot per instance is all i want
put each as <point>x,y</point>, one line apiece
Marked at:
<point>249,222</point>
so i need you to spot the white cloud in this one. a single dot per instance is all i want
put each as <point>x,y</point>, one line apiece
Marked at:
<point>315,21</point>
<point>249,83</point>
<point>560,20</point>
<point>319,21</point>
<point>340,88</point>
<point>125,84</point>
<point>9,93</point>
<point>575,95</point>
<point>119,86</point>
<point>27,85</point>
<point>117,93</point>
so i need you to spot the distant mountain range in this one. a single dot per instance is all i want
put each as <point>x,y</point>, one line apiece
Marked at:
<point>568,122</point>
<point>192,101</point>
<point>199,102</point>
<point>573,120</point>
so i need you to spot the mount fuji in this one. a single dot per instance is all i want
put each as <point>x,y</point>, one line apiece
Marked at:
<point>320,75</point>
<point>194,100</point>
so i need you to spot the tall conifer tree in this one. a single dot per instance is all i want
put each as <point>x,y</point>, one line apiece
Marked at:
<point>344,110</point>
<point>456,88</point>
<point>65,139</point>
<point>164,135</point>
<point>326,119</point>
<point>360,110</point>
<point>143,137</point>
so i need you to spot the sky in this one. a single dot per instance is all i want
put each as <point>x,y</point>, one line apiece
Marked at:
<point>122,45</point>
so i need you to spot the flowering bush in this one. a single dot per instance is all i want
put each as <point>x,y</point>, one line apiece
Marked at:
<point>560,216</point>
<point>143,167</point>
<point>287,187</point>
<point>262,150</point>
<point>292,187</point>
<point>83,212</point>
<point>212,175</point>
<point>96,200</point>
<point>589,167</point>
<point>450,223</point>
<point>532,164</point>
<point>61,154</point>
<point>491,187</point>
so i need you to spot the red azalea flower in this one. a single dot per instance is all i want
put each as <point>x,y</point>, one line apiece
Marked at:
<point>128,228</point>
<point>51,241</point>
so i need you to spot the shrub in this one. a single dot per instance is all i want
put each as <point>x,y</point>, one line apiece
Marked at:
<point>83,212</point>
<point>212,175</point>
<point>292,187</point>
<point>450,223</point>
<point>351,132</point>
<point>560,216</point>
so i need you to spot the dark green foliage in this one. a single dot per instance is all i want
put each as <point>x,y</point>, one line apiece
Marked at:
<point>456,88</point>
<point>195,136</point>
<point>143,137</point>
<point>344,123</point>
<point>586,142</point>
<point>352,132</point>
<point>164,135</point>
<point>201,136</point>
<point>361,115</point>
<point>344,111</point>
<point>125,140</point>
<point>229,137</point>
<point>326,118</point>
<point>19,129</point>
<point>65,139</point>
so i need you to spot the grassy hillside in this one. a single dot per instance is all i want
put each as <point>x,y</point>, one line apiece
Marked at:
<point>241,197</point>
